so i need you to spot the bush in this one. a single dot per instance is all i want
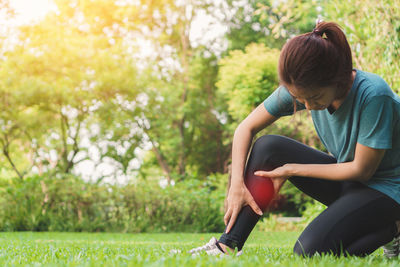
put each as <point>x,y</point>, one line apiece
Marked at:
<point>190,206</point>
<point>246,78</point>
<point>276,222</point>
<point>70,204</point>
<point>312,210</point>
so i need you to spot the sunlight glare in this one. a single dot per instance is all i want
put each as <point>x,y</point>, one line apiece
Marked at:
<point>30,10</point>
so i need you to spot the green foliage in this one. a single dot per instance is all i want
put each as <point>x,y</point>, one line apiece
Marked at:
<point>312,210</point>
<point>67,203</point>
<point>206,136</point>
<point>186,135</point>
<point>80,69</point>
<point>247,78</point>
<point>287,18</point>
<point>293,200</point>
<point>57,204</point>
<point>269,22</point>
<point>277,222</point>
<point>52,84</point>
<point>247,27</point>
<point>373,31</point>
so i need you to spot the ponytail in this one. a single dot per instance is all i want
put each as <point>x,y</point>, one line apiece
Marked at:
<point>321,58</point>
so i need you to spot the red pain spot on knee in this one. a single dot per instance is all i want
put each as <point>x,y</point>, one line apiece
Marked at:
<point>262,190</point>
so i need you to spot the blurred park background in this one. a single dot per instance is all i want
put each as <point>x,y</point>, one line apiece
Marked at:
<point>118,115</point>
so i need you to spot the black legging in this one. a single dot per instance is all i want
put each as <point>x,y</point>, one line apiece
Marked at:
<point>358,219</point>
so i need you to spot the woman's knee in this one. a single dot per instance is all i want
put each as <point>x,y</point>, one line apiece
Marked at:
<point>310,246</point>
<point>307,247</point>
<point>263,157</point>
<point>268,144</point>
<point>268,152</point>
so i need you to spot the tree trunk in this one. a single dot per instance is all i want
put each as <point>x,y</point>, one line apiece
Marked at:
<point>162,162</point>
<point>5,151</point>
<point>185,44</point>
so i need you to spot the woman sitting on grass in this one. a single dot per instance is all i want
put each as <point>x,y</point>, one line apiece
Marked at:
<point>357,118</point>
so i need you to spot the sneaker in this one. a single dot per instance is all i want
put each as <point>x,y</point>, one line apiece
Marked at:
<point>392,249</point>
<point>210,248</point>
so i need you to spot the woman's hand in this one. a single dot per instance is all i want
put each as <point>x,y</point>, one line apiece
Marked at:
<point>238,197</point>
<point>278,175</point>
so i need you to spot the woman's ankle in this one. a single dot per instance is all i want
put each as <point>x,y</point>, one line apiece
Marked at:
<point>225,248</point>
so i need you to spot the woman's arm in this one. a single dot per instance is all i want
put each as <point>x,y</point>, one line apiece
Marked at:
<point>238,194</point>
<point>257,120</point>
<point>365,163</point>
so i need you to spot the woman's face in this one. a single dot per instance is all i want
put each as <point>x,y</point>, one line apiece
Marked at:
<point>318,99</point>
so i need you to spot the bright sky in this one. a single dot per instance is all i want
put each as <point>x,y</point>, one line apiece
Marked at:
<point>28,10</point>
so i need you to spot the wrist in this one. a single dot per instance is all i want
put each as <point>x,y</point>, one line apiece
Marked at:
<point>237,179</point>
<point>292,169</point>
<point>237,182</point>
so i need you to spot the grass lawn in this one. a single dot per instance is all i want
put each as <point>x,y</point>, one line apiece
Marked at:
<point>100,249</point>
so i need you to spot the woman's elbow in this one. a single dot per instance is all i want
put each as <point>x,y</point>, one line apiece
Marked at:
<point>363,174</point>
<point>244,128</point>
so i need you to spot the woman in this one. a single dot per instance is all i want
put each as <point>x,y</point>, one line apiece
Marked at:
<point>357,117</point>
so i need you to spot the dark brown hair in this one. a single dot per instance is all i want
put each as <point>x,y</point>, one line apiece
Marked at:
<point>321,58</point>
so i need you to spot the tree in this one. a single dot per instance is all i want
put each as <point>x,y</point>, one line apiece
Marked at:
<point>52,82</point>
<point>179,116</point>
<point>373,31</point>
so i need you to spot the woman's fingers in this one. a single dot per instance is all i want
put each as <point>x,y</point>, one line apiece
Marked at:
<point>283,171</point>
<point>232,220</point>
<point>255,207</point>
<point>227,216</point>
<point>278,183</point>
<point>265,174</point>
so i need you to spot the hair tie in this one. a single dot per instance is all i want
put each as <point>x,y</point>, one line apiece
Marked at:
<point>316,31</point>
<point>320,33</point>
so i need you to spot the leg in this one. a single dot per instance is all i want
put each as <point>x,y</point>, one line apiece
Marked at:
<point>361,220</point>
<point>369,243</point>
<point>272,151</point>
<point>269,152</point>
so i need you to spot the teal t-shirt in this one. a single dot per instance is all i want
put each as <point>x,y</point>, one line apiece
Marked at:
<point>369,115</point>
